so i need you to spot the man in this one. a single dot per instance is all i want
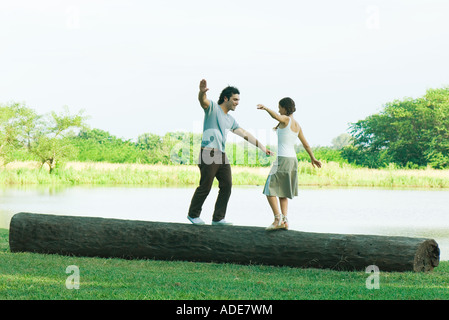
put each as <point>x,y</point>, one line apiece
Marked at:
<point>213,162</point>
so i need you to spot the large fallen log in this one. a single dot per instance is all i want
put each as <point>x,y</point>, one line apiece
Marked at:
<point>129,239</point>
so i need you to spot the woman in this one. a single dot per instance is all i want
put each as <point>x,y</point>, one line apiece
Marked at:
<point>282,181</point>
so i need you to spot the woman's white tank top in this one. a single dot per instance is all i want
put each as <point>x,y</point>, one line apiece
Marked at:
<point>286,141</point>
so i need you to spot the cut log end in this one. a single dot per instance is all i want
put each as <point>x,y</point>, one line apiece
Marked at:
<point>427,256</point>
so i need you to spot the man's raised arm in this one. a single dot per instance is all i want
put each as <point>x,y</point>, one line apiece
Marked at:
<point>202,97</point>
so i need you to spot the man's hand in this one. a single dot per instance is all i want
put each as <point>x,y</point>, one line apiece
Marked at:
<point>202,97</point>
<point>203,86</point>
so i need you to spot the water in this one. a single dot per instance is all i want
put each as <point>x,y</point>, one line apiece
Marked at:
<point>414,213</point>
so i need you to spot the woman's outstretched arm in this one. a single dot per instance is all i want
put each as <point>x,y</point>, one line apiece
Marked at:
<point>306,146</point>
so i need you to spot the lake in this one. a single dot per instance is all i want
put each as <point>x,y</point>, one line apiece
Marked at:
<point>398,212</point>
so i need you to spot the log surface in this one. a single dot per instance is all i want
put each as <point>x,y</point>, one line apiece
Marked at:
<point>130,239</point>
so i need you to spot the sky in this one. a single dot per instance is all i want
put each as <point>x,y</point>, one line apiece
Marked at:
<point>134,66</point>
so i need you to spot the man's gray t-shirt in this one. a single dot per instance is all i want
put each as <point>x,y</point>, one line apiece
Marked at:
<point>216,127</point>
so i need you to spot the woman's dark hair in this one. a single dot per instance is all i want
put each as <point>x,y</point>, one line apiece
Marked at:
<point>228,92</point>
<point>288,104</point>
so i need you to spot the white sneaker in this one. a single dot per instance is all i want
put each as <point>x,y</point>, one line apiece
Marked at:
<point>195,220</point>
<point>222,222</point>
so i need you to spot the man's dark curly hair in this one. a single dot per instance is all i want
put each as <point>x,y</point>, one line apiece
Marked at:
<point>228,92</point>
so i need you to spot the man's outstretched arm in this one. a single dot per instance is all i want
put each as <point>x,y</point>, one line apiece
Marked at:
<point>202,97</point>
<point>251,139</point>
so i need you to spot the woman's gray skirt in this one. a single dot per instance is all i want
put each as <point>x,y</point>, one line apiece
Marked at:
<point>283,178</point>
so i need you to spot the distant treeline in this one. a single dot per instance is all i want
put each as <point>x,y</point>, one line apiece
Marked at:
<point>173,148</point>
<point>411,133</point>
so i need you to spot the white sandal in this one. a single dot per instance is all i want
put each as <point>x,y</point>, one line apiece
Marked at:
<point>285,222</point>
<point>279,225</point>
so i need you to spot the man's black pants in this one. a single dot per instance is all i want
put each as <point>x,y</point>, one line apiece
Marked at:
<point>212,164</point>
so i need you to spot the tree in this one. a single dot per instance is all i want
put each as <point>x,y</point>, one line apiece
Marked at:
<point>411,132</point>
<point>438,152</point>
<point>16,122</point>
<point>100,145</point>
<point>149,141</point>
<point>341,141</point>
<point>50,141</point>
<point>172,148</point>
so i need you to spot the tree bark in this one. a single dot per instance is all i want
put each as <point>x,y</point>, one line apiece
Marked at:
<point>129,239</point>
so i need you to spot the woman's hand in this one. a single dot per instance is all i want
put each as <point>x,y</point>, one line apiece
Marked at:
<point>261,107</point>
<point>317,163</point>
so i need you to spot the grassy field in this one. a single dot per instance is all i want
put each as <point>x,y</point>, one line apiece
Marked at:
<point>37,276</point>
<point>331,174</point>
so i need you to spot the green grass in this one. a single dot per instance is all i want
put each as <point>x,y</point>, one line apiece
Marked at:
<point>331,174</point>
<point>38,276</point>
<point>105,174</point>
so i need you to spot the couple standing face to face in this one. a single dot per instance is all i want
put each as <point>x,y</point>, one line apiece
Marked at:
<point>217,123</point>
